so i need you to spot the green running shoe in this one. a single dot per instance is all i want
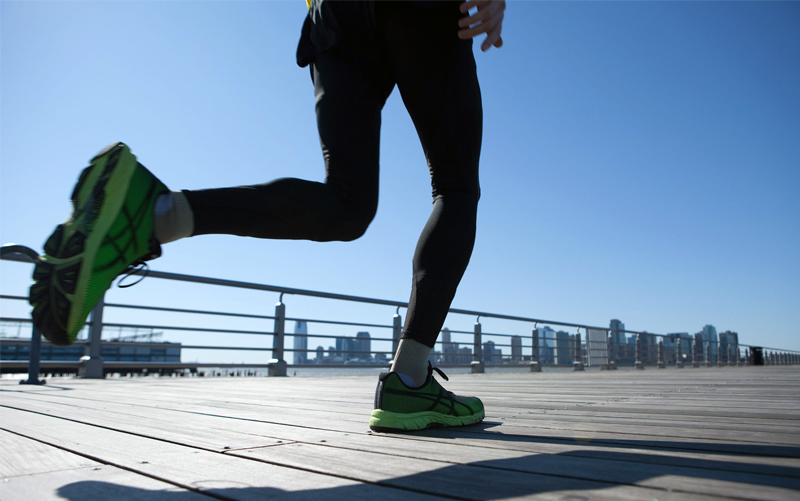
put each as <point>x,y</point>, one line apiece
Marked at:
<point>110,229</point>
<point>399,407</point>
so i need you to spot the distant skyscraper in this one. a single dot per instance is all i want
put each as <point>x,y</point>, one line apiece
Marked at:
<point>300,342</point>
<point>364,344</point>
<point>728,341</point>
<point>617,332</point>
<point>564,348</point>
<point>449,349</point>
<point>320,354</point>
<point>685,340</point>
<point>710,336</point>
<point>491,355</point>
<point>547,343</point>
<point>516,349</point>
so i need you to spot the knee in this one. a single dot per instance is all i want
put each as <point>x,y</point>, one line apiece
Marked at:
<point>355,224</point>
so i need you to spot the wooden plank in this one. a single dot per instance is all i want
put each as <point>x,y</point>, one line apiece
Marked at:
<point>96,483</point>
<point>229,476</point>
<point>23,456</point>
<point>126,417</point>
<point>710,475</point>
<point>481,479</point>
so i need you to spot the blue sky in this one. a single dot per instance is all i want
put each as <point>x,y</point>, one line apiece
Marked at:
<point>641,160</point>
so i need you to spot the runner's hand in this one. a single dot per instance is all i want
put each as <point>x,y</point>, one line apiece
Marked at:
<point>488,19</point>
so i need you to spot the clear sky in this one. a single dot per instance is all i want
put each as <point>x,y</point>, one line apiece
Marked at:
<point>641,160</point>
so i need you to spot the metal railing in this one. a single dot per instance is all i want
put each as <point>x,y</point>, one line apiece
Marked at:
<point>557,350</point>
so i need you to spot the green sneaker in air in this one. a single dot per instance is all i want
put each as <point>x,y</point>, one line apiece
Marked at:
<point>399,407</point>
<point>110,229</point>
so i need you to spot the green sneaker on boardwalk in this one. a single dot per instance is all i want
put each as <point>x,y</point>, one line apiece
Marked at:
<point>110,229</point>
<point>399,407</point>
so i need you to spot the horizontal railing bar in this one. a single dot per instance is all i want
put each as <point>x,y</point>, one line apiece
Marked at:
<point>336,322</point>
<point>12,319</point>
<point>193,329</point>
<point>6,296</point>
<point>334,336</point>
<point>181,310</point>
<point>28,256</point>
<point>327,295</point>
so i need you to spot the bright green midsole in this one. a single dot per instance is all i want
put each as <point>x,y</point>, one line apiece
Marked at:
<point>116,188</point>
<point>420,420</point>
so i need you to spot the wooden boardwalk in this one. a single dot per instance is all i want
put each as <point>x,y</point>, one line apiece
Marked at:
<point>705,434</point>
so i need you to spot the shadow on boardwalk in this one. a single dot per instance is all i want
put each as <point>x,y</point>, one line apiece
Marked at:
<point>579,470</point>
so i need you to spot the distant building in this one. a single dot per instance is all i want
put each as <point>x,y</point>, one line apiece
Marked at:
<point>709,335</point>
<point>564,348</point>
<point>300,342</point>
<point>346,348</point>
<point>516,349</point>
<point>110,351</point>
<point>364,345</point>
<point>451,354</point>
<point>617,332</point>
<point>728,341</point>
<point>670,347</point>
<point>491,355</point>
<point>547,344</point>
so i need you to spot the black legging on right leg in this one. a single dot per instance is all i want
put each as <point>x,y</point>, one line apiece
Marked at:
<point>420,51</point>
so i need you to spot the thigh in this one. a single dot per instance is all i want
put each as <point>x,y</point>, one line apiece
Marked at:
<point>436,75</point>
<point>348,108</point>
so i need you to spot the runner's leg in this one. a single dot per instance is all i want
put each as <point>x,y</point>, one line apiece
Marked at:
<point>436,75</point>
<point>348,110</point>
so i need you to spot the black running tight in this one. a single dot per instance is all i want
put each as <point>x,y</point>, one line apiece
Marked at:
<point>391,43</point>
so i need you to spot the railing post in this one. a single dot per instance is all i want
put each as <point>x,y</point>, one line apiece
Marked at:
<point>730,355</point>
<point>34,358</point>
<point>535,365</point>
<point>695,365</point>
<point>707,357</point>
<point>91,364</point>
<point>477,366</point>
<point>747,362</point>
<point>719,353</point>
<point>612,355</point>
<point>638,364</point>
<point>577,364</point>
<point>679,354</point>
<point>277,365</point>
<point>397,330</point>
<point>661,364</point>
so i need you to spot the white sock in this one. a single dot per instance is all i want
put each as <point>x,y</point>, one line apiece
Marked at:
<point>411,360</point>
<point>173,218</point>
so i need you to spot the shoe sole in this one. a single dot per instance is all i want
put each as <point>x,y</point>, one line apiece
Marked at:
<point>385,421</point>
<point>61,281</point>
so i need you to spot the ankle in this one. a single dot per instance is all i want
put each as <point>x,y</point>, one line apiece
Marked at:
<point>412,360</point>
<point>173,218</point>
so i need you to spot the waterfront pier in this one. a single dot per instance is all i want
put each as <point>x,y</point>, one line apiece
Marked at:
<point>705,434</point>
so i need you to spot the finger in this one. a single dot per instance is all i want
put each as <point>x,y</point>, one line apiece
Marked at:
<point>474,31</point>
<point>493,40</point>
<point>481,16</point>
<point>466,6</point>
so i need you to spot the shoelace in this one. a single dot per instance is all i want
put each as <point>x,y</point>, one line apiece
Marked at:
<point>432,368</point>
<point>139,267</point>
